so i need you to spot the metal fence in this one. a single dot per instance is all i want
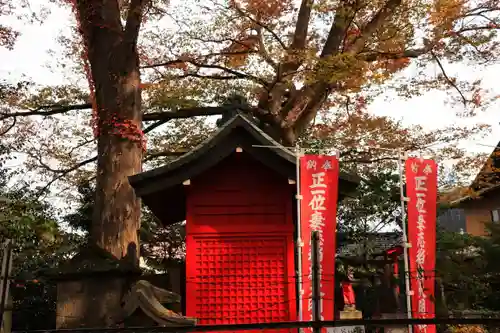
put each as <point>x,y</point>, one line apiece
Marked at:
<point>368,324</point>
<point>486,323</point>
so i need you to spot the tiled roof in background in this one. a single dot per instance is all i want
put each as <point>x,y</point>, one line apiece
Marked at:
<point>370,243</point>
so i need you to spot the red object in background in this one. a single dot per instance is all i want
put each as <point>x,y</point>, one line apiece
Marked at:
<point>319,189</point>
<point>395,266</point>
<point>239,245</point>
<point>394,253</point>
<point>421,182</point>
<point>348,293</point>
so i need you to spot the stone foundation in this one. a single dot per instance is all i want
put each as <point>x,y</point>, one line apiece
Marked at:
<point>77,304</point>
<point>90,287</point>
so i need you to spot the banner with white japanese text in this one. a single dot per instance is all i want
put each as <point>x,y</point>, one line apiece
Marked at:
<point>421,190</point>
<point>319,177</point>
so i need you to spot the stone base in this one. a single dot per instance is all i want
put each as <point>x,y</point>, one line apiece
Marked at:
<point>88,302</point>
<point>90,287</point>
<point>108,300</point>
<point>395,329</point>
<point>349,314</point>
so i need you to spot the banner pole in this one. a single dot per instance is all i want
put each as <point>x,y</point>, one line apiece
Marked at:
<point>401,157</point>
<point>315,263</point>
<point>298,196</point>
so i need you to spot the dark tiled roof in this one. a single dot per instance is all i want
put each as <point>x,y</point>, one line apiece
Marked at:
<point>488,176</point>
<point>371,243</point>
<point>487,179</point>
<point>164,184</point>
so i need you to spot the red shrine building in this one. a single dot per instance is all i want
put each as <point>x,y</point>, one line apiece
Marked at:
<point>236,192</point>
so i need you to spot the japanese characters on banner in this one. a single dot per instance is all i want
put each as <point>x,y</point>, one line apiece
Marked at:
<point>318,211</point>
<point>421,182</point>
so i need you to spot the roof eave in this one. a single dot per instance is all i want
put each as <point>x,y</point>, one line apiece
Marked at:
<point>237,121</point>
<point>145,178</point>
<point>469,197</point>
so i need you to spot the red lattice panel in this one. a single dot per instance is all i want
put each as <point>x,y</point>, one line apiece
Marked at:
<point>241,280</point>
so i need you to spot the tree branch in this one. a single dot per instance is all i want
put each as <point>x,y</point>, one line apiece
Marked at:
<point>134,18</point>
<point>80,145</point>
<point>263,51</point>
<point>448,79</point>
<point>482,54</point>
<point>339,26</point>
<point>56,109</point>
<point>370,160</point>
<point>299,39</point>
<point>46,110</point>
<point>235,73</point>
<point>374,55</point>
<point>262,25</point>
<point>152,156</point>
<point>183,113</point>
<point>155,125</point>
<point>376,22</point>
<point>204,57</point>
<point>65,172</point>
<point>231,71</point>
<point>479,11</point>
<point>476,28</point>
<point>311,97</point>
<point>292,62</point>
<point>11,126</point>
<point>201,76</point>
<point>68,170</point>
<point>302,26</point>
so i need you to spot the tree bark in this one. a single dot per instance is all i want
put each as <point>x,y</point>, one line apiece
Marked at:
<point>117,214</point>
<point>294,110</point>
<point>114,66</point>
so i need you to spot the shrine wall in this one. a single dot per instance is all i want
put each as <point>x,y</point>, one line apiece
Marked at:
<point>239,245</point>
<point>478,212</point>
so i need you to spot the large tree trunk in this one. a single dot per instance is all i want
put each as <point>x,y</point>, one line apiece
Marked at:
<point>115,71</point>
<point>112,53</point>
<point>117,214</point>
<point>116,218</point>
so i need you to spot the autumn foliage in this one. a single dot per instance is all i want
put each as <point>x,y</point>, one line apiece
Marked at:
<point>300,56</point>
<point>262,10</point>
<point>8,36</point>
<point>467,329</point>
<point>306,67</point>
<point>309,70</point>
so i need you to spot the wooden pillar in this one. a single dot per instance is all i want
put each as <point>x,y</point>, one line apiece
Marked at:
<point>388,290</point>
<point>393,305</point>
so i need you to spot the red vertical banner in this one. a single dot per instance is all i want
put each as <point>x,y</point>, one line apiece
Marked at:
<point>421,190</point>
<point>318,212</point>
